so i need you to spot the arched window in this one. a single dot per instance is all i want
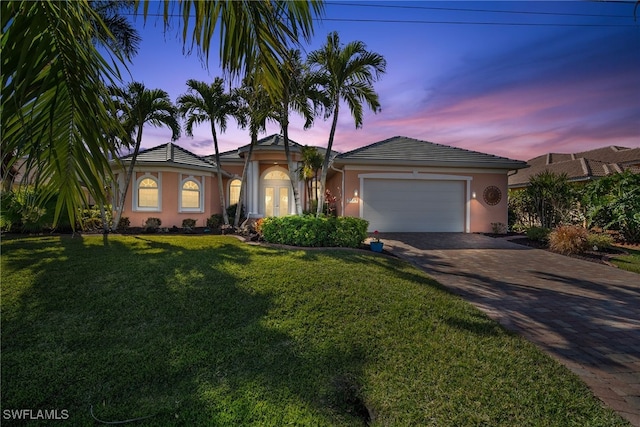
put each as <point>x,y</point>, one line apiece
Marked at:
<point>190,195</point>
<point>234,191</point>
<point>148,194</point>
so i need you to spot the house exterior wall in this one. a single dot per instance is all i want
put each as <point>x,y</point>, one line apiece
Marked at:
<point>170,183</point>
<point>481,214</point>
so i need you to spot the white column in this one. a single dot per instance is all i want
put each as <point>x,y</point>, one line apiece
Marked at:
<point>254,187</point>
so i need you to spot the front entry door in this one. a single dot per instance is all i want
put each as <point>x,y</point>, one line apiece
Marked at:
<point>276,200</point>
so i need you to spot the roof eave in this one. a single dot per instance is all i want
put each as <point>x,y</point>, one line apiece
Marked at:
<point>509,165</point>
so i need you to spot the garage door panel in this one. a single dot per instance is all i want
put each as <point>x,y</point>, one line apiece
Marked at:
<point>414,205</point>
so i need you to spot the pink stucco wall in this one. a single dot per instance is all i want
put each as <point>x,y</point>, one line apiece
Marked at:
<point>169,214</point>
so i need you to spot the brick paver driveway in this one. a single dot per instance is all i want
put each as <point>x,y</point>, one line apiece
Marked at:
<point>584,314</point>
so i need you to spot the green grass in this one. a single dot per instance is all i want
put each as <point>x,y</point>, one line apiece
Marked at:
<point>205,330</point>
<point>629,262</point>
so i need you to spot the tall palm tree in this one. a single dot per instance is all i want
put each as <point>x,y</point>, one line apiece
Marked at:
<point>350,71</point>
<point>53,75</point>
<point>299,93</point>
<point>209,103</point>
<point>137,106</point>
<point>255,109</point>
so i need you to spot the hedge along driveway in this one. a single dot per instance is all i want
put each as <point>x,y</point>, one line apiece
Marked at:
<point>205,330</point>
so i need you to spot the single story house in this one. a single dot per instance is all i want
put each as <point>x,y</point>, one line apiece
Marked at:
<point>580,167</point>
<point>399,184</point>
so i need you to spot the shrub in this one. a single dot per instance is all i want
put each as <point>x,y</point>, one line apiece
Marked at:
<point>552,198</point>
<point>568,239</point>
<point>124,223</point>
<point>26,210</point>
<point>258,225</point>
<point>214,221</point>
<point>152,224</point>
<point>539,234</point>
<point>599,241</point>
<point>231,212</point>
<point>188,223</point>
<point>91,219</point>
<point>314,231</point>
<point>498,228</point>
<point>613,203</point>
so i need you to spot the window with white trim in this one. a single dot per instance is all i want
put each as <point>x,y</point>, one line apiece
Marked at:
<point>234,191</point>
<point>190,196</point>
<point>148,194</point>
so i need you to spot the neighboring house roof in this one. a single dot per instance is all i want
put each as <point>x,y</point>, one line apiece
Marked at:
<point>404,150</point>
<point>174,155</point>
<point>583,166</point>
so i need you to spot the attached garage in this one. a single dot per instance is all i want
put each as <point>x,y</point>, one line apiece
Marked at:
<point>414,202</point>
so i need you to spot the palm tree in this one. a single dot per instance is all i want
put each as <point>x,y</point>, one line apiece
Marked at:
<point>253,34</point>
<point>311,164</point>
<point>350,71</point>
<point>299,92</point>
<point>137,106</point>
<point>209,103</point>
<point>53,77</point>
<point>114,28</point>
<point>255,109</point>
<point>53,98</point>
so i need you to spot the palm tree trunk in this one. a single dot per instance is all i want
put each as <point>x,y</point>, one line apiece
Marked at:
<point>293,176</point>
<point>225,216</point>
<point>243,180</point>
<point>327,156</point>
<point>127,182</point>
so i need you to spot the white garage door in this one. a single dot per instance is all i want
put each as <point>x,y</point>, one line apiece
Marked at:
<point>394,205</point>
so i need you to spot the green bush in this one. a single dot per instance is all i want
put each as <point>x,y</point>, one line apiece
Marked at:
<point>613,203</point>
<point>599,241</point>
<point>539,234</point>
<point>311,231</point>
<point>568,239</point>
<point>91,219</point>
<point>124,223</point>
<point>231,212</point>
<point>152,224</point>
<point>24,210</point>
<point>188,223</point>
<point>214,221</point>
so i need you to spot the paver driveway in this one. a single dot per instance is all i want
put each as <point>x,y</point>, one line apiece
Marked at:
<point>584,314</point>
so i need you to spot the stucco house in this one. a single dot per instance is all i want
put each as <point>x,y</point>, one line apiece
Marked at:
<point>399,184</point>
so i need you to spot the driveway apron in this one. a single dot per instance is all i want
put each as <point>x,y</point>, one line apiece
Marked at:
<point>586,315</point>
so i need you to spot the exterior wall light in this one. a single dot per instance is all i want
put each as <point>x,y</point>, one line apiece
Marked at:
<point>473,195</point>
<point>355,193</point>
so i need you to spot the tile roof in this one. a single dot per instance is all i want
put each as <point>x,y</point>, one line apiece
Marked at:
<point>581,166</point>
<point>171,154</point>
<point>271,142</point>
<point>410,151</point>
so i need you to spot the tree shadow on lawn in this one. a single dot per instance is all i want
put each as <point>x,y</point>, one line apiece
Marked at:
<point>144,326</point>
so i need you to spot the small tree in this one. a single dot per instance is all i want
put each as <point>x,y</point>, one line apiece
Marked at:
<point>552,198</point>
<point>613,203</point>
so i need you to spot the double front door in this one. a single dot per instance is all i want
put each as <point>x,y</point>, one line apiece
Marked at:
<point>276,199</point>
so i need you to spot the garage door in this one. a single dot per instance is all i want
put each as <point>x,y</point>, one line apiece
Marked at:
<point>394,205</point>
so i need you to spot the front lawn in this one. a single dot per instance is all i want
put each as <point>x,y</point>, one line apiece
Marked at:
<point>205,330</point>
<point>630,262</point>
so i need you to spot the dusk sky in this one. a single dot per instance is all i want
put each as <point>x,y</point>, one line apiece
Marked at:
<point>546,76</point>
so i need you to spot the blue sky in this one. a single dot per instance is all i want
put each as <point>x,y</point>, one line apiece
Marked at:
<point>511,78</point>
